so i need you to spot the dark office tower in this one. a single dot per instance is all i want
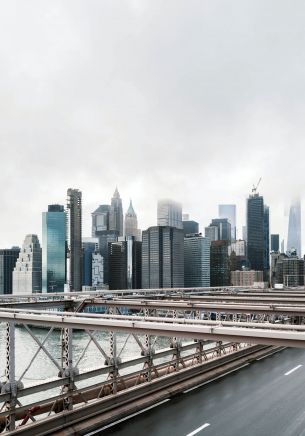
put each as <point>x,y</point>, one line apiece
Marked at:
<point>90,246</point>
<point>100,219</point>
<point>196,261</point>
<point>224,228</point>
<point>229,211</point>
<point>8,258</point>
<point>266,244</point>
<point>104,238</point>
<point>162,257</point>
<point>256,232</point>
<point>116,213</point>
<point>220,265</point>
<point>74,240</point>
<point>131,223</point>
<point>54,249</point>
<point>125,264</point>
<point>275,243</point>
<point>294,241</point>
<point>190,227</point>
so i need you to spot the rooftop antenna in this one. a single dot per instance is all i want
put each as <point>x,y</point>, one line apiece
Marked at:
<point>254,189</point>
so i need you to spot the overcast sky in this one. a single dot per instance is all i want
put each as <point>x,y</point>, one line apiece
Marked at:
<point>193,100</point>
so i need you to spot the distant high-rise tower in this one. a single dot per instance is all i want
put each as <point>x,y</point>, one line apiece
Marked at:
<point>229,211</point>
<point>27,272</point>
<point>219,260</point>
<point>189,226</point>
<point>256,232</point>
<point>54,249</point>
<point>131,223</point>
<point>163,257</point>
<point>224,228</point>
<point>294,241</point>
<point>116,213</point>
<point>169,214</point>
<point>74,242</point>
<point>275,243</point>
<point>196,261</point>
<point>100,219</point>
<point>8,258</point>
<point>266,243</point>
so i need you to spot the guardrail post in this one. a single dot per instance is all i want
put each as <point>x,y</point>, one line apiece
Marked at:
<point>149,351</point>
<point>10,386</point>
<point>67,365</point>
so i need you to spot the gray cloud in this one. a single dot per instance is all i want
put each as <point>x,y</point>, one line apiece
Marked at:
<point>190,99</point>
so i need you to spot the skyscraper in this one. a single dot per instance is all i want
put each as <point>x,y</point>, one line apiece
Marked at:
<point>162,257</point>
<point>116,213</point>
<point>8,258</point>
<point>54,249</point>
<point>125,264</point>
<point>190,227</point>
<point>169,214</point>
<point>196,261</point>
<point>275,242</point>
<point>27,272</point>
<point>220,266</point>
<point>90,246</point>
<point>211,233</point>
<point>229,211</point>
<point>294,228</point>
<point>256,232</point>
<point>224,228</point>
<point>100,219</point>
<point>74,242</point>
<point>266,244</point>
<point>131,223</point>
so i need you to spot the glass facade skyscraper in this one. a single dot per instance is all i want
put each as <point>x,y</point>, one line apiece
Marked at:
<point>229,211</point>
<point>74,240</point>
<point>294,241</point>
<point>224,228</point>
<point>54,249</point>
<point>162,257</point>
<point>258,234</point>
<point>8,258</point>
<point>275,242</point>
<point>169,214</point>
<point>196,261</point>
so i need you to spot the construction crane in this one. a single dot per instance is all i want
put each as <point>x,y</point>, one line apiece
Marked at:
<point>254,189</point>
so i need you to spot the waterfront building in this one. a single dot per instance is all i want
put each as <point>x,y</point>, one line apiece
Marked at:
<point>163,257</point>
<point>131,224</point>
<point>223,228</point>
<point>169,213</point>
<point>196,261</point>
<point>294,241</point>
<point>116,213</point>
<point>74,240</point>
<point>229,211</point>
<point>27,271</point>
<point>8,258</point>
<point>100,219</point>
<point>54,249</point>
<point>246,278</point>
<point>275,242</point>
<point>220,266</point>
<point>104,238</point>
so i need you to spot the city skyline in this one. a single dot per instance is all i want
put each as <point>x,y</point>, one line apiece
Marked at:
<point>151,221</point>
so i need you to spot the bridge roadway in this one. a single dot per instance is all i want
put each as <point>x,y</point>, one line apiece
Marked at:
<point>264,398</point>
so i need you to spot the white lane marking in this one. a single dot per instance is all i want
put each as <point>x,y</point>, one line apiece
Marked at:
<point>293,369</point>
<point>128,417</point>
<point>198,429</point>
<point>215,378</point>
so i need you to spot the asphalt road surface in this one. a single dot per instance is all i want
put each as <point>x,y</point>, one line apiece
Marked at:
<point>265,398</point>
